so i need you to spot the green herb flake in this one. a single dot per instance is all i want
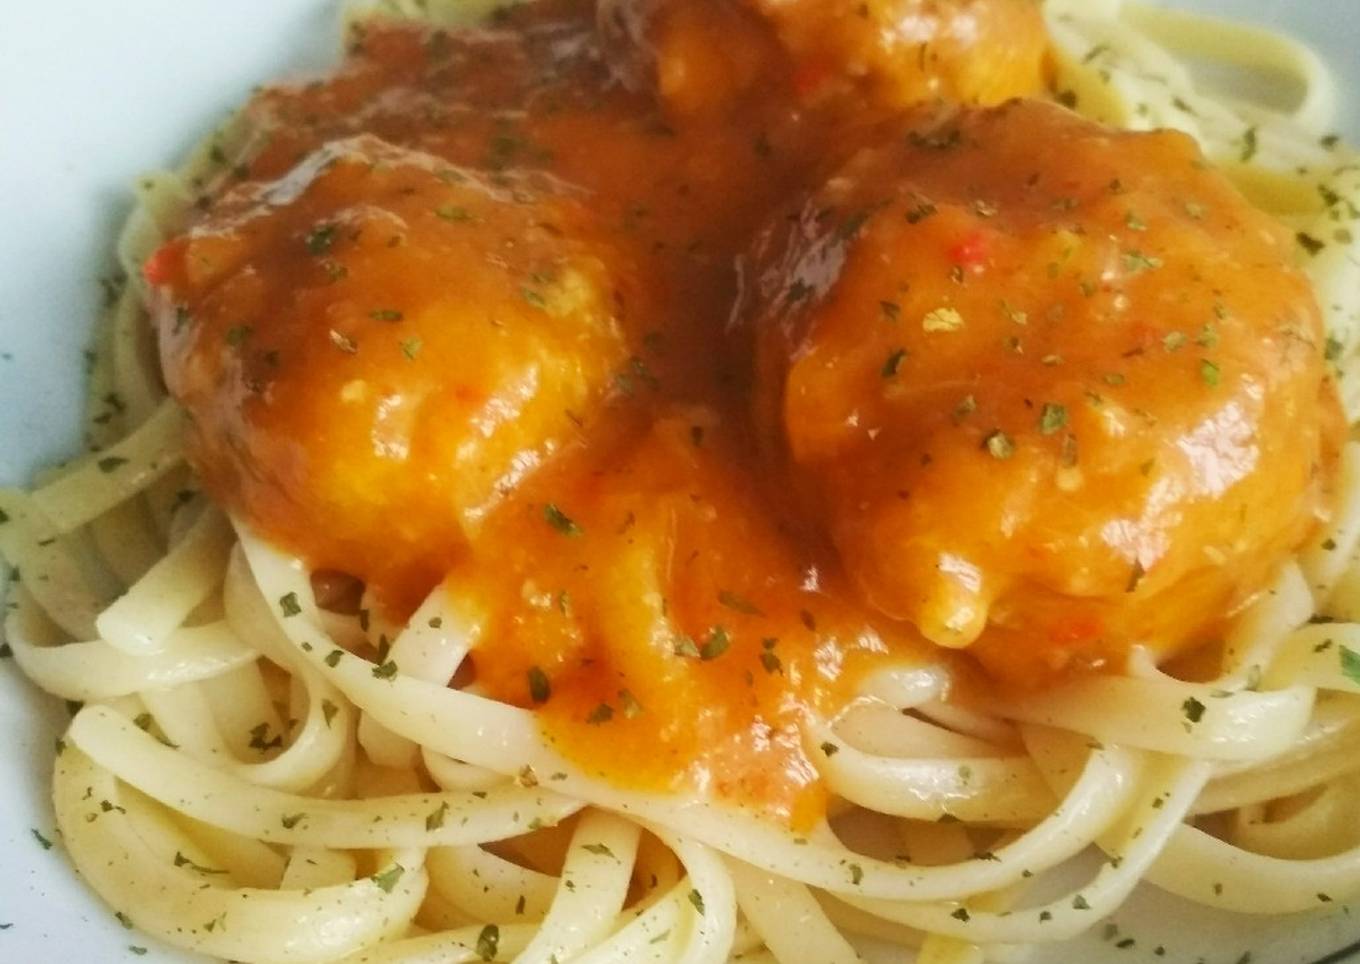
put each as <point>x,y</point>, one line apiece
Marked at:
<point>333,658</point>
<point>798,291</point>
<point>920,211</point>
<point>289,605</point>
<point>1013,314</point>
<point>320,239</point>
<point>42,841</point>
<point>560,521</point>
<point>632,709</point>
<point>1079,903</point>
<point>738,603</point>
<point>237,335</point>
<point>183,861</point>
<point>539,686</point>
<point>1209,373</point>
<point>435,818</point>
<point>1052,418</point>
<point>1250,144</point>
<point>598,849</point>
<point>453,212</point>
<point>893,362</point>
<point>111,462</point>
<point>830,749</point>
<point>1350,664</point>
<point>410,347</point>
<point>697,899</point>
<point>851,226</point>
<point>388,878</point>
<point>961,914</point>
<point>1309,243</point>
<point>1094,52</point>
<point>1136,261</point>
<point>488,942</point>
<point>291,820</point>
<point>386,314</point>
<point>259,738</point>
<point>387,671</point>
<point>328,710</point>
<point>715,645</point>
<point>999,445</point>
<point>601,714</point>
<point>1193,709</point>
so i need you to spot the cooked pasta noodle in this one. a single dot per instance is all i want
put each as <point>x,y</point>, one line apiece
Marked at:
<point>248,780</point>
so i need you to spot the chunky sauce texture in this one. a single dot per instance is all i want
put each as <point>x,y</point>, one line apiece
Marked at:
<point>712,378</point>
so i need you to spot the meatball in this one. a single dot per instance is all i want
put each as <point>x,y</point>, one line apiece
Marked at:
<point>378,347</point>
<point>886,53</point>
<point>1051,388</point>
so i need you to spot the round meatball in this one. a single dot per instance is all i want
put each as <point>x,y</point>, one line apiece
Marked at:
<point>1052,388</point>
<point>884,53</point>
<point>378,347</point>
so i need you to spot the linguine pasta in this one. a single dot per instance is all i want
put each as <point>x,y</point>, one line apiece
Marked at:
<point>257,778</point>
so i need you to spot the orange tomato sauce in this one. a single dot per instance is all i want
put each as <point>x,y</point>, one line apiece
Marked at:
<point>473,308</point>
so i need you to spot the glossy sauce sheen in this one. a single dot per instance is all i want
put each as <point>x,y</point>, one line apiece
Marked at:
<point>470,308</point>
<point>1054,388</point>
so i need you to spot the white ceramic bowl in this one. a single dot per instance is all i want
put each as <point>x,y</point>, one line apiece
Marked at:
<point>92,94</point>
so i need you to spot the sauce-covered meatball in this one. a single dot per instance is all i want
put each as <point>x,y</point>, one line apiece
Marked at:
<point>1051,388</point>
<point>377,347</point>
<point>699,54</point>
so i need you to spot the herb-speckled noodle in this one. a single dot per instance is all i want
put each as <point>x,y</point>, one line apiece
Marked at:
<point>243,782</point>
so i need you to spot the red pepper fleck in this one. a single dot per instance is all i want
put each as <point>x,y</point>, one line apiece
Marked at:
<point>159,269</point>
<point>971,252</point>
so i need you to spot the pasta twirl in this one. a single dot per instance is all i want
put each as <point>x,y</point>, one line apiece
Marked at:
<point>269,766</point>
